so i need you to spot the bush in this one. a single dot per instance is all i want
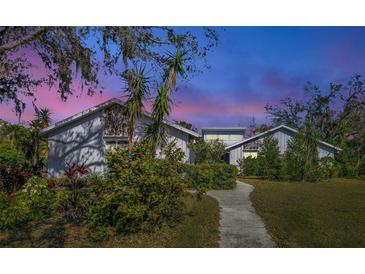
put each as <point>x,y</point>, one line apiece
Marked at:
<point>203,177</point>
<point>139,192</point>
<point>13,173</point>
<point>269,158</point>
<point>34,201</point>
<point>208,152</point>
<point>299,164</point>
<point>250,166</point>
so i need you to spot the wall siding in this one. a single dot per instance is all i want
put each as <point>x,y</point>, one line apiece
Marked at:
<point>82,142</point>
<point>79,142</point>
<point>283,136</point>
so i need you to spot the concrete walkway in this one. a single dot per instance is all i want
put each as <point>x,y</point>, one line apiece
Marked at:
<point>240,226</point>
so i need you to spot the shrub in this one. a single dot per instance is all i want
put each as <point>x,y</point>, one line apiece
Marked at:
<point>211,176</point>
<point>139,192</point>
<point>172,153</point>
<point>250,166</point>
<point>34,201</point>
<point>327,168</point>
<point>13,173</point>
<point>71,193</point>
<point>208,152</point>
<point>299,164</point>
<point>269,158</point>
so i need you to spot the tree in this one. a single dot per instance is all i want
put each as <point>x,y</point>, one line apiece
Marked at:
<point>67,50</point>
<point>269,157</point>
<point>42,120</point>
<point>138,89</point>
<point>208,152</point>
<point>337,116</point>
<point>162,103</point>
<point>252,128</point>
<point>301,157</point>
<point>62,51</point>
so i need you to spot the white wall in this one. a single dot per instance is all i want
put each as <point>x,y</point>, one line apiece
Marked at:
<point>283,136</point>
<point>80,142</point>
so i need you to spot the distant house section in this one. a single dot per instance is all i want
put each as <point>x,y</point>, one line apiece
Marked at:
<point>85,137</point>
<point>250,146</point>
<point>229,135</point>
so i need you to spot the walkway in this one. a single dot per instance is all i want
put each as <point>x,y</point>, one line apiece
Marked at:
<point>240,226</point>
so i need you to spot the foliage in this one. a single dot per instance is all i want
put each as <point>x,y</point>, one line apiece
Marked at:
<point>208,152</point>
<point>13,173</point>
<point>140,192</point>
<point>66,50</point>
<point>297,165</point>
<point>269,158</point>
<point>173,153</point>
<point>337,115</point>
<point>137,89</point>
<point>204,176</point>
<point>72,191</point>
<point>250,166</point>
<point>34,201</point>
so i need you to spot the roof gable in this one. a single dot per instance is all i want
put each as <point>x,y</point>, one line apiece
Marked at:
<point>257,136</point>
<point>102,106</point>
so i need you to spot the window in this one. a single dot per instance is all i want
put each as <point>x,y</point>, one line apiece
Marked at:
<point>224,137</point>
<point>113,142</point>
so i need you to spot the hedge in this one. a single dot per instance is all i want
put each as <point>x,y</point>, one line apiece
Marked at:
<point>211,176</point>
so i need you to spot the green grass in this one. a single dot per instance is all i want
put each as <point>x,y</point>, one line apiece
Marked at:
<point>199,228</point>
<point>325,214</point>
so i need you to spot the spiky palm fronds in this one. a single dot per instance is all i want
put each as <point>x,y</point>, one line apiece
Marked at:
<point>43,117</point>
<point>162,103</point>
<point>175,67</point>
<point>138,89</point>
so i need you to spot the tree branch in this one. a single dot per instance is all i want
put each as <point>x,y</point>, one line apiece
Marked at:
<point>24,40</point>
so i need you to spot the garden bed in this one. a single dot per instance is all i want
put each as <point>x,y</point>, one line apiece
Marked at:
<point>198,228</point>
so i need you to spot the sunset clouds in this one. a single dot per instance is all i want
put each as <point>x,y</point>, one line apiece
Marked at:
<point>250,67</point>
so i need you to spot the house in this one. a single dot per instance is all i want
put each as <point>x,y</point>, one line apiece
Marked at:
<point>84,138</point>
<point>250,146</point>
<point>228,135</point>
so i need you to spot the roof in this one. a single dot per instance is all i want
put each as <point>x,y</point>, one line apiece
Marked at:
<point>101,106</point>
<point>238,144</point>
<point>223,128</point>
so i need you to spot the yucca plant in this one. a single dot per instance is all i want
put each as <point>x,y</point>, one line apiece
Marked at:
<point>137,89</point>
<point>162,104</point>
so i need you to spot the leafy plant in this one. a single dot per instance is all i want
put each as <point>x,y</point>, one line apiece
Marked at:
<point>74,190</point>
<point>13,172</point>
<point>34,201</point>
<point>250,166</point>
<point>139,192</point>
<point>269,157</point>
<point>208,152</point>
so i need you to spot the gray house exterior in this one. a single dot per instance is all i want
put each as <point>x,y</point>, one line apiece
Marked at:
<point>85,137</point>
<point>228,135</point>
<point>249,147</point>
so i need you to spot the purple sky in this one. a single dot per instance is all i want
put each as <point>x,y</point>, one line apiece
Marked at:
<point>250,67</point>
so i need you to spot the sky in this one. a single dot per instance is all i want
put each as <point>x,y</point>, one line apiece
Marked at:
<point>250,67</point>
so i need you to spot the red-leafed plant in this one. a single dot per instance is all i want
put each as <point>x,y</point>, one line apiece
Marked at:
<point>74,173</point>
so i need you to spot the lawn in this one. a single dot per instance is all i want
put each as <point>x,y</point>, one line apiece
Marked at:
<point>325,214</point>
<point>199,228</point>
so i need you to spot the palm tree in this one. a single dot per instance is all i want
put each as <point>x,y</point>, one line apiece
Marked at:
<point>138,89</point>
<point>43,116</point>
<point>42,120</point>
<point>162,103</point>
